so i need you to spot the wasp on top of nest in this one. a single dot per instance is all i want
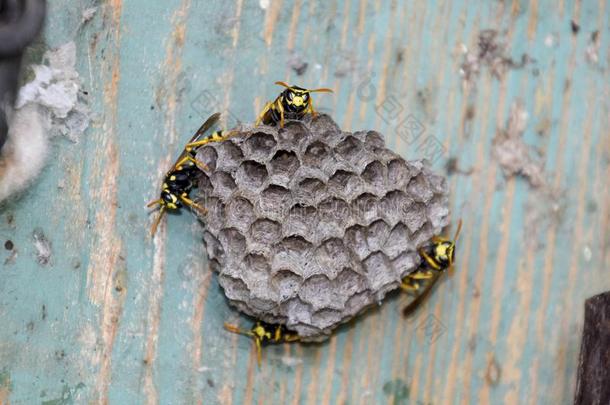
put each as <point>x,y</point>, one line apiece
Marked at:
<point>293,104</point>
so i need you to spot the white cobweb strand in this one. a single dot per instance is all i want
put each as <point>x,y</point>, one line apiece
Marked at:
<point>24,154</point>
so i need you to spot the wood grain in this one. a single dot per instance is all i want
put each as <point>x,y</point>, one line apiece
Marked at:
<point>118,317</point>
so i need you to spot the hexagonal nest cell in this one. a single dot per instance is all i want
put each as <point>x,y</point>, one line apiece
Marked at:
<point>309,225</point>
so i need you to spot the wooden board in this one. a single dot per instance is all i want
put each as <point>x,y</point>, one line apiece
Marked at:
<point>114,317</point>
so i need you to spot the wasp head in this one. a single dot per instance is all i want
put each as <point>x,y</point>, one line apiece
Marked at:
<point>297,99</point>
<point>443,250</point>
<point>170,200</point>
<point>444,253</point>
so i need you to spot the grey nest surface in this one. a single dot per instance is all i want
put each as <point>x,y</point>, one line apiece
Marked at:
<point>309,225</point>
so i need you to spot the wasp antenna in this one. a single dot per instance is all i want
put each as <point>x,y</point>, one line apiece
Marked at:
<point>283,84</point>
<point>236,329</point>
<point>155,224</point>
<point>321,90</point>
<point>155,202</point>
<point>457,231</point>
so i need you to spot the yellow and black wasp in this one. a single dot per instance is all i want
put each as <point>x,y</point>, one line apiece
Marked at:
<point>182,177</point>
<point>292,104</point>
<point>263,334</point>
<point>437,258</point>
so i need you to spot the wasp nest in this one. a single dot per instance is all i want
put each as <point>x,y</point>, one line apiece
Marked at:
<point>309,225</point>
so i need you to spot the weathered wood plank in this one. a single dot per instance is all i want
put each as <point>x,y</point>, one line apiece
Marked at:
<point>117,317</point>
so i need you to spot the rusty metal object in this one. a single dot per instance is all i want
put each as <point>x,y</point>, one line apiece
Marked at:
<point>20,22</point>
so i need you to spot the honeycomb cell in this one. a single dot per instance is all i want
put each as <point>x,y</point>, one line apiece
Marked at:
<point>205,185</point>
<point>345,184</point>
<point>316,154</point>
<point>239,213</point>
<point>398,174</point>
<point>365,208</point>
<point>419,189</point>
<point>223,182</point>
<point>301,220</point>
<point>293,134</point>
<point>355,238</point>
<point>325,317</point>
<point>286,283</point>
<point>379,270</point>
<point>284,163</point>
<point>394,206</point>
<point>334,256</point>
<point>215,249</point>
<point>347,283</point>
<point>349,148</point>
<point>397,241</point>
<point>251,175</point>
<point>265,231</point>
<point>209,156</point>
<point>258,146</point>
<point>377,234</point>
<point>274,200</point>
<point>229,155</point>
<point>257,263</point>
<point>333,212</point>
<point>216,212</point>
<point>374,139</point>
<point>414,216</point>
<point>375,174</point>
<point>234,288</point>
<point>232,241</point>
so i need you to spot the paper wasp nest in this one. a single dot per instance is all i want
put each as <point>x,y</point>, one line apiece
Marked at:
<point>308,225</point>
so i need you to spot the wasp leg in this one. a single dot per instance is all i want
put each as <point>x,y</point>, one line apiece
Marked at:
<point>421,275</point>
<point>153,228</point>
<point>259,351</point>
<point>310,108</point>
<point>261,116</point>
<point>408,286</point>
<point>291,338</point>
<point>428,259</point>
<point>191,159</point>
<point>193,204</point>
<point>281,108</point>
<point>210,139</point>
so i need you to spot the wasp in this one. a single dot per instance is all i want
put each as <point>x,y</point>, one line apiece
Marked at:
<point>264,333</point>
<point>292,103</point>
<point>182,177</point>
<point>437,258</point>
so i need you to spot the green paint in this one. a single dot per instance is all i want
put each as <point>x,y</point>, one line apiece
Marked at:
<point>397,389</point>
<point>5,381</point>
<point>68,395</point>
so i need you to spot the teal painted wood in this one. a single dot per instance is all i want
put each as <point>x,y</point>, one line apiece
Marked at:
<point>117,318</point>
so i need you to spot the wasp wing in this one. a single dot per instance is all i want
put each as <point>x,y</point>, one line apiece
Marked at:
<point>413,305</point>
<point>209,123</point>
